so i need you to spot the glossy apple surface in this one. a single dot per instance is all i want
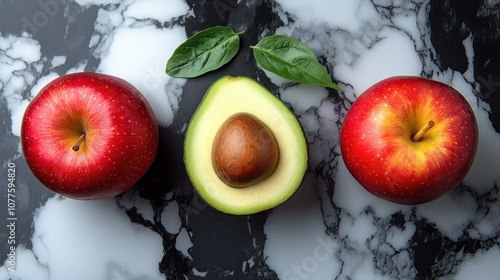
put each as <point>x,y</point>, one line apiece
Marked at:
<point>110,122</point>
<point>378,149</point>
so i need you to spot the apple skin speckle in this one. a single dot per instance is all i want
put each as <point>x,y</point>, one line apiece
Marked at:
<point>110,159</point>
<point>377,148</point>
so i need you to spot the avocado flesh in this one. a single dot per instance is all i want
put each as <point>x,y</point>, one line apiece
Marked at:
<point>226,97</point>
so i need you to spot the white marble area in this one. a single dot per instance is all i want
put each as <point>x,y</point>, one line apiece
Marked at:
<point>331,228</point>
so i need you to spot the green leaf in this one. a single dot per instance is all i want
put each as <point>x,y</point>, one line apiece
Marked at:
<point>205,51</point>
<point>291,59</point>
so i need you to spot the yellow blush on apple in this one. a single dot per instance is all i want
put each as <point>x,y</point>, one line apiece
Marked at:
<point>409,140</point>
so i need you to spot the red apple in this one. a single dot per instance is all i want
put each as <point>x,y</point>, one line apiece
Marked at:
<point>89,135</point>
<point>409,140</point>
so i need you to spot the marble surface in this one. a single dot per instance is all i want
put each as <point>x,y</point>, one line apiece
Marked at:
<point>331,228</point>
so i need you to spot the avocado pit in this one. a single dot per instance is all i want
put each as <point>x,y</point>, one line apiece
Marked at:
<point>244,151</point>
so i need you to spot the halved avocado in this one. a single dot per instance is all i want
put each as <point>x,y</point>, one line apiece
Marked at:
<point>227,97</point>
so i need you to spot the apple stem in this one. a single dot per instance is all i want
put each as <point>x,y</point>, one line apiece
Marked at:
<point>422,131</point>
<point>79,142</point>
